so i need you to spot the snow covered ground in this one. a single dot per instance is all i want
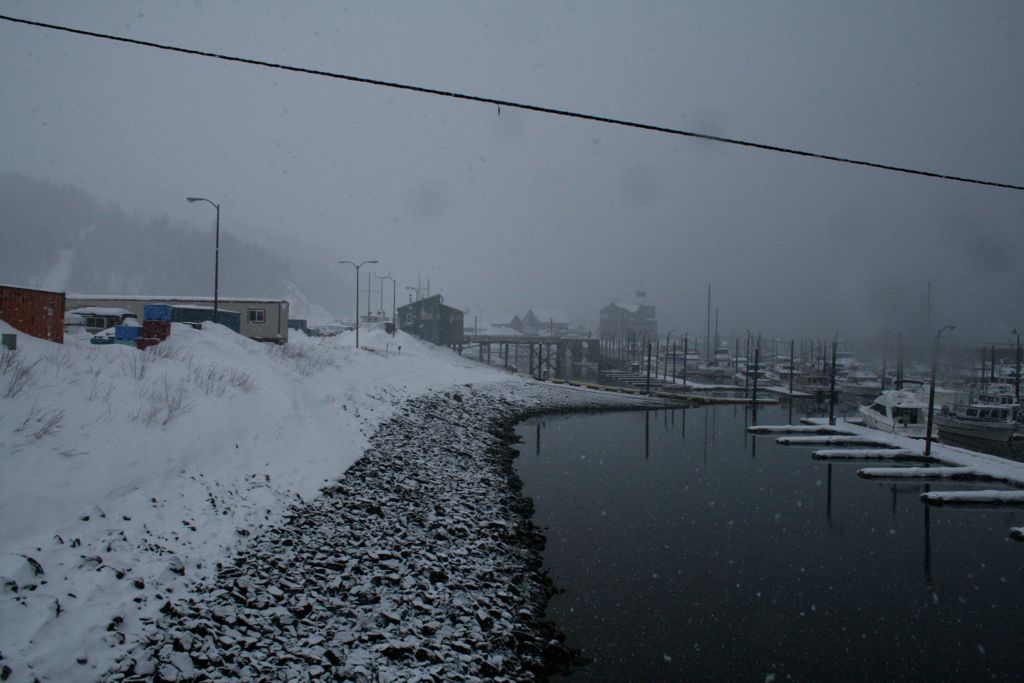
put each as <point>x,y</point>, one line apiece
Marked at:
<point>129,480</point>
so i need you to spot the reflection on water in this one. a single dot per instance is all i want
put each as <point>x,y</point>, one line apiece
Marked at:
<point>690,550</point>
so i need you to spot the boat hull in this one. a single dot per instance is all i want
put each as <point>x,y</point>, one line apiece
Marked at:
<point>957,427</point>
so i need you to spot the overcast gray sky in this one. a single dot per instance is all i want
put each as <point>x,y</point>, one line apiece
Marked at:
<point>516,210</point>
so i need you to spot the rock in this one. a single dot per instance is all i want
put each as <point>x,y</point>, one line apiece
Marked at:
<point>415,564</point>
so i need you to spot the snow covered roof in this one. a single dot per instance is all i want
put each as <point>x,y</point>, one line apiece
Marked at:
<point>100,310</point>
<point>31,289</point>
<point>171,299</point>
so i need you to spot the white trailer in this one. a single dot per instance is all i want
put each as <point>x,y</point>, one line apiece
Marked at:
<point>260,319</point>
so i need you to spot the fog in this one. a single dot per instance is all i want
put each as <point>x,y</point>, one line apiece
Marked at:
<point>504,209</point>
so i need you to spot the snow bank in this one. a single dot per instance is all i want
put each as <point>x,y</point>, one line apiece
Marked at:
<point>125,476</point>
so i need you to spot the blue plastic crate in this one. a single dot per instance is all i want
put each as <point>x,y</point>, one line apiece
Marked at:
<point>157,312</point>
<point>127,332</point>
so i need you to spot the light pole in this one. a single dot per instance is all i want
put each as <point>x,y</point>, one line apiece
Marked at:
<point>394,287</point>
<point>357,267</point>
<point>1016,383</point>
<point>216,257</point>
<point>931,390</point>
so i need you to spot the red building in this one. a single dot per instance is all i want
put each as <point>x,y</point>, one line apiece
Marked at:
<point>33,311</point>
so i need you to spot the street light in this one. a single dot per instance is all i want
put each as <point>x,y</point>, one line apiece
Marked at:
<point>357,267</point>
<point>216,257</point>
<point>931,390</point>
<point>1016,383</point>
<point>394,287</point>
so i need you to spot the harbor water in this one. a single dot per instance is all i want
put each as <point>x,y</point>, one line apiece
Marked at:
<point>686,549</point>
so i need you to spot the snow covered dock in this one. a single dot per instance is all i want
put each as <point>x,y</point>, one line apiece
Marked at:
<point>952,462</point>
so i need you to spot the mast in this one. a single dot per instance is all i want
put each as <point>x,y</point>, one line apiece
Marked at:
<point>707,341</point>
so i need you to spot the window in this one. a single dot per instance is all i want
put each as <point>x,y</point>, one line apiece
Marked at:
<point>257,315</point>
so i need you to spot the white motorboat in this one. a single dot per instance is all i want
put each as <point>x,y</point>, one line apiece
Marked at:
<point>897,411</point>
<point>991,416</point>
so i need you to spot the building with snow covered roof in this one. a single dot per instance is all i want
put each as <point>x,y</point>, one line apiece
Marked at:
<point>259,319</point>
<point>509,321</point>
<point>635,319</point>
<point>431,320</point>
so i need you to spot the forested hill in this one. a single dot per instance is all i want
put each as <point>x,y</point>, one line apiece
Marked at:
<point>58,237</point>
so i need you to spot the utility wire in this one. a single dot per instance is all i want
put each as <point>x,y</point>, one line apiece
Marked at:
<point>512,105</point>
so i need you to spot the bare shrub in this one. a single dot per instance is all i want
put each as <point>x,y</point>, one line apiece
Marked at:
<point>163,403</point>
<point>99,391</point>
<point>241,380</point>
<point>305,360</point>
<point>8,357</point>
<point>136,365</point>
<point>165,351</point>
<point>50,423</point>
<point>19,376</point>
<point>39,423</point>
<point>210,379</point>
<point>59,358</point>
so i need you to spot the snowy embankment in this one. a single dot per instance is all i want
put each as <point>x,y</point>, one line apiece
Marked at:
<point>127,477</point>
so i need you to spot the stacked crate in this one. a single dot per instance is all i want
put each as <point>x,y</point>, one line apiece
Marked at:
<point>156,325</point>
<point>127,334</point>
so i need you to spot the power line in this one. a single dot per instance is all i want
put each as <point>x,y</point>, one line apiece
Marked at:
<point>513,105</point>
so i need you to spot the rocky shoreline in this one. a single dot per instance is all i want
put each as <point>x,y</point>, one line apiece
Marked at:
<point>420,564</point>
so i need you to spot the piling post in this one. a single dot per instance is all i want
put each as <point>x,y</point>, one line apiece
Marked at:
<point>832,384</point>
<point>1016,381</point>
<point>757,363</point>
<point>674,363</point>
<point>648,368</point>
<point>792,357</point>
<point>686,355</point>
<point>746,374</point>
<point>736,361</point>
<point>931,390</point>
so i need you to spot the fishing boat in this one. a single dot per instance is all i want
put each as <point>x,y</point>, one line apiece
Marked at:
<point>990,416</point>
<point>861,382</point>
<point>897,411</point>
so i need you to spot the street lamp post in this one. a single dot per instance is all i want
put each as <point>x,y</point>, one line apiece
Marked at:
<point>357,267</point>
<point>1016,383</point>
<point>216,257</point>
<point>394,287</point>
<point>931,390</point>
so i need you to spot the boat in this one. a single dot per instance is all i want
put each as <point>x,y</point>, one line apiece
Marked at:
<point>991,416</point>
<point>897,411</point>
<point>861,382</point>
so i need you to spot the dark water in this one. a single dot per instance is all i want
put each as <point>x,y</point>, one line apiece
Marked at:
<point>688,550</point>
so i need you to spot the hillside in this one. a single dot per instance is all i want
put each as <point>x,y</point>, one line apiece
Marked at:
<point>59,238</point>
